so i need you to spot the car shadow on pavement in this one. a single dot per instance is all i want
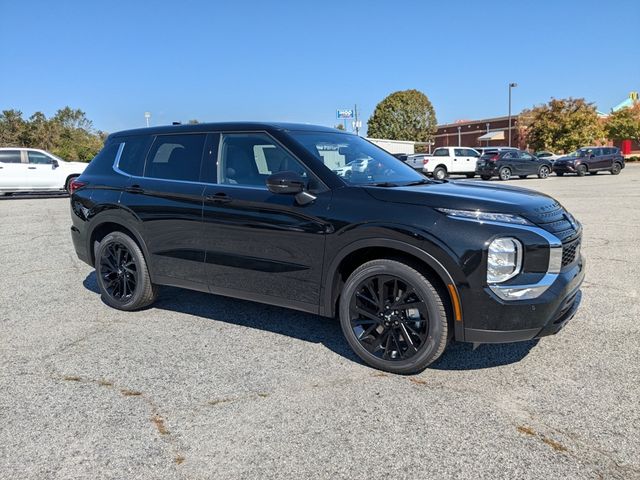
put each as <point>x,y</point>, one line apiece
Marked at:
<point>314,328</point>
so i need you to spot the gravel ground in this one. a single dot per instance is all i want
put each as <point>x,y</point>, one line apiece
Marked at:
<point>202,386</point>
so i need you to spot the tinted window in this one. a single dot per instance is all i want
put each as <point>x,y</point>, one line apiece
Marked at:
<point>441,152</point>
<point>10,156</point>
<point>459,152</point>
<point>175,157</point>
<point>472,153</point>
<point>249,158</point>
<point>39,158</point>
<point>133,154</point>
<point>526,156</point>
<point>509,156</point>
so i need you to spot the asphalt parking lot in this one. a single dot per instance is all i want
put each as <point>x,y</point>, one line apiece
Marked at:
<point>202,386</point>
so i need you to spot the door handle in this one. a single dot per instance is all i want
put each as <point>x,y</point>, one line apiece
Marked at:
<point>31,168</point>
<point>134,189</point>
<point>218,198</point>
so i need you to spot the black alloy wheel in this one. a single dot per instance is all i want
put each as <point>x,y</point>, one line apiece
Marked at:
<point>616,168</point>
<point>544,172</point>
<point>118,271</point>
<point>122,274</point>
<point>504,173</point>
<point>393,317</point>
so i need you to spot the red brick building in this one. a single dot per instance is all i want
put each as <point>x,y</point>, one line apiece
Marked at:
<point>488,132</point>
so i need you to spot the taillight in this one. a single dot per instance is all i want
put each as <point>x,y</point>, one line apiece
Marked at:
<point>494,158</point>
<point>425,161</point>
<point>75,184</point>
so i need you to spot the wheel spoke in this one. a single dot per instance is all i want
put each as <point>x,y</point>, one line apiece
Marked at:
<point>374,303</point>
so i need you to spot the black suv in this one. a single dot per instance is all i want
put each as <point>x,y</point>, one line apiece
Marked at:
<point>591,160</point>
<point>506,163</point>
<point>257,211</point>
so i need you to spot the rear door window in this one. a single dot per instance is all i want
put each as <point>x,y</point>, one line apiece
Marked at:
<point>10,156</point>
<point>441,152</point>
<point>175,157</point>
<point>459,152</point>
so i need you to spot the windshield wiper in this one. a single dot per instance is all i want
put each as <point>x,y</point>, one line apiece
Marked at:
<point>382,184</point>
<point>424,181</point>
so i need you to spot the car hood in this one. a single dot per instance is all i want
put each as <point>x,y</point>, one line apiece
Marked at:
<point>469,195</point>
<point>567,159</point>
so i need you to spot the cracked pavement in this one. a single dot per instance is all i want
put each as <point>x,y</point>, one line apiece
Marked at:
<point>202,386</point>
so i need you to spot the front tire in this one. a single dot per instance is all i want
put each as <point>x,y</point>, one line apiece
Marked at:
<point>544,172</point>
<point>581,170</point>
<point>122,273</point>
<point>393,317</point>
<point>504,173</point>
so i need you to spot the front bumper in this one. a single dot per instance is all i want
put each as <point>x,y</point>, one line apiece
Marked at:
<point>564,168</point>
<point>515,321</point>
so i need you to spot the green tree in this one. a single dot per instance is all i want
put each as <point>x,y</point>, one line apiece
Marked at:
<point>339,126</point>
<point>12,129</point>
<point>562,125</point>
<point>404,115</point>
<point>624,124</point>
<point>42,133</point>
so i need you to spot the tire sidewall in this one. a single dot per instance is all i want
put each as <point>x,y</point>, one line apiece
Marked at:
<point>615,170</point>
<point>429,352</point>
<point>546,169</point>
<point>136,254</point>
<point>581,170</point>
<point>439,173</point>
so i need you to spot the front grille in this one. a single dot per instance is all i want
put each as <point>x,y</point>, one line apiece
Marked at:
<point>570,251</point>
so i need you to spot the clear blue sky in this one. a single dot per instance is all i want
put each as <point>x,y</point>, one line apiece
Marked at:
<point>299,61</point>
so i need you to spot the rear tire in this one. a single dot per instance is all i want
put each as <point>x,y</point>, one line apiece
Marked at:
<point>504,173</point>
<point>616,168</point>
<point>393,317</point>
<point>581,170</point>
<point>122,273</point>
<point>439,173</point>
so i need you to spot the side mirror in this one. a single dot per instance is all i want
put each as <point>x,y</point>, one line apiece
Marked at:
<point>290,183</point>
<point>285,182</point>
<point>54,164</point>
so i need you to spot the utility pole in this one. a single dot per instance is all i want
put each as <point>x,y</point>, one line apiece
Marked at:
<point>147,116</point>
<point>511,85</point>
<point>356,124</point>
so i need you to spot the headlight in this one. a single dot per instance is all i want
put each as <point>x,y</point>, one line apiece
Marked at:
<point>485,216</point>
<point>504,260</point>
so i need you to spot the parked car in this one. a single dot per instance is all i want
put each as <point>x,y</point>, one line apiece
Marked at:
<point>34,170</point>
<point>253,211</point>
<point>417,161</point>
<point>552,157</point>
<point>507,163</point>
<point>451,160</point>
<point>590,160</point>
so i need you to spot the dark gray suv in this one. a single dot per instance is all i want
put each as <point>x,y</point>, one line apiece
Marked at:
<point>590,160</point>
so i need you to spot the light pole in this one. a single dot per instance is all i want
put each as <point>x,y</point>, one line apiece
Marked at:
<point>147,116</point>
<point>511,85</point>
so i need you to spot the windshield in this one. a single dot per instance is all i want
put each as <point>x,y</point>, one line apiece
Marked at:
<point>357,161</point>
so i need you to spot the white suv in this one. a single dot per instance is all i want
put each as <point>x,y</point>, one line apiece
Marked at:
<point>33,170</point>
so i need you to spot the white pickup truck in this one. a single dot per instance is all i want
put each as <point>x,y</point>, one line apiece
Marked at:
<point>448,160</point>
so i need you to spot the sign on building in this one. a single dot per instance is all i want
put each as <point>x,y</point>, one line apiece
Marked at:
<point>344,113</point>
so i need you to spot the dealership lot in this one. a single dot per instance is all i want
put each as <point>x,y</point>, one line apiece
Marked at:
<point>203,386</point>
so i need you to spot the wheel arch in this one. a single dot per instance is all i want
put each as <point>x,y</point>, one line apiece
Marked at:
<point>108,222</point>
<point>357,253</point>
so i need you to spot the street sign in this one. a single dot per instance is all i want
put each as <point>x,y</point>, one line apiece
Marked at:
<point>344,113</point>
